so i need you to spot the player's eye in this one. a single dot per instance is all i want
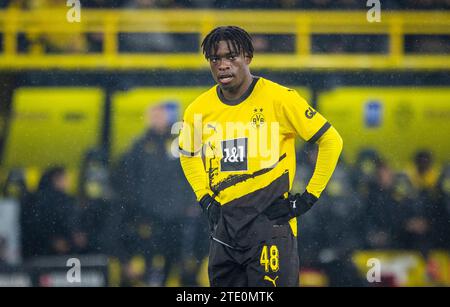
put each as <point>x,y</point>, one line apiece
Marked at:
<point>214,59</point>
<point>232,57</point>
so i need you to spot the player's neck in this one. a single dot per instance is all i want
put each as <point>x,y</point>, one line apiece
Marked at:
<point>234,94</point>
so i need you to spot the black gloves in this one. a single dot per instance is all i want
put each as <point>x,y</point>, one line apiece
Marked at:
<point>211,208</point>
<point>294,205</point>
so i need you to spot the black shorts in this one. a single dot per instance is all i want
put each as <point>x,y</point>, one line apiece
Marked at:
<point>272,263</point>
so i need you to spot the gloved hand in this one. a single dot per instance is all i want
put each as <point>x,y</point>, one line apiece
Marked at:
<point>293,206</point>
<point>211,208</point>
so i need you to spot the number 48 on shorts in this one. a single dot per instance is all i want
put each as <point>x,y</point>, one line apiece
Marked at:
<point>270,258</point>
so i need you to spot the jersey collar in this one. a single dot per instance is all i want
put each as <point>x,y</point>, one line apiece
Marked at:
<point>234,102</point>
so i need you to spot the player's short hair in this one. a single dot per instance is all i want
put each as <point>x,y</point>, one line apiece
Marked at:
<point>236,38</point>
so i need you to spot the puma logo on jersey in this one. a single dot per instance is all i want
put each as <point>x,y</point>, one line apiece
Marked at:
<point>212,127</point>
<point>273,281</point>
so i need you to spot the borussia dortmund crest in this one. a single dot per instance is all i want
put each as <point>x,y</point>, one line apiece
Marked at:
<point>258,118</point>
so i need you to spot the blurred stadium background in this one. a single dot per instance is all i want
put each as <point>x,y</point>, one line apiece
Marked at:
<point>86,111</point>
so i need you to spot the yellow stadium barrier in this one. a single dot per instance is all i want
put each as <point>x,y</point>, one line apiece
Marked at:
<point>395,121</point>
<point>53,126</point>
<point>45,23</point>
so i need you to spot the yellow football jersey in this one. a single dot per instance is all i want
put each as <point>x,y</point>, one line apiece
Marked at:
<point>248,145</point>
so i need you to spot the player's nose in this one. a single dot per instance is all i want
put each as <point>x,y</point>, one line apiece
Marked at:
<point>224,64</point>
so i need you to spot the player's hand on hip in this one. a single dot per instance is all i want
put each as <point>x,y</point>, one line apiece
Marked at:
<point>211,208</point>
<point>293,206</point>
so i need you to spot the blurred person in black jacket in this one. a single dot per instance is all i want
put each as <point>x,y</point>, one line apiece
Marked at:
<point>424,174</point>
<point>423,217</point>
<point>159,191</point>
<point>427,221</point>
<point>98,214</point>
<point>404,196</point>
<point>363,174</point>
<point>56,215</point>
<point>442,216</point>
<point>379,212</point>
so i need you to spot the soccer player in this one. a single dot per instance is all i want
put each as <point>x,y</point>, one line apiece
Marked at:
<point>237,149</point>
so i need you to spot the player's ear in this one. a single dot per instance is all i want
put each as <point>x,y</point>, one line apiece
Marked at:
<point>248,59</point>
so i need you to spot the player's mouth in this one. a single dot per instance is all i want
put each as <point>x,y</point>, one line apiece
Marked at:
<point>225,78</point>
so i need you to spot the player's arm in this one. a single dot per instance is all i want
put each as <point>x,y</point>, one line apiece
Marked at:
<point>301,119</point>
<point>195,174</point>
<point>190,144</point>
<point>330,147</point>
<point>190,147</point>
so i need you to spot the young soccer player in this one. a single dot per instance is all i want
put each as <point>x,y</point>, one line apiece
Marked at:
<point>238,154</point>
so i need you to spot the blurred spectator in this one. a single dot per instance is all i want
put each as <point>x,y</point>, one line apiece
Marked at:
<point>441,218</point>
<point>379,213</point>
<point>95,209</point>
<point>364,172</point>
<point>444,187</point>
<point>426,216</point>
<point>423,174</point>
<point>416,232</point>
<point>422,217</point>
<point>403,192</point>
<point>404,197</point>
<point>55,216</point>
<point>133,272</point>
<point>159,191</point>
